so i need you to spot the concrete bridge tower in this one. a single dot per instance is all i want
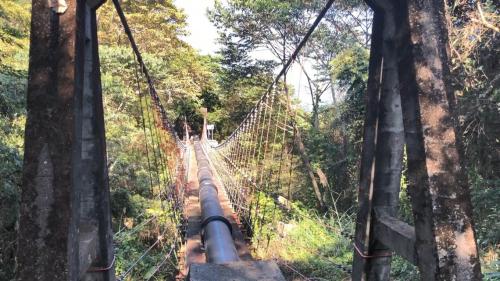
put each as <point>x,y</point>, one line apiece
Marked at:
<point>65,222</point>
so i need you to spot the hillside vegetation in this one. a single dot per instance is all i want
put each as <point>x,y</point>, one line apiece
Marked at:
<point>229,83</point>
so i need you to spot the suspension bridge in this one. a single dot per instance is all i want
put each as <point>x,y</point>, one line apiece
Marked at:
<point>218,196</point>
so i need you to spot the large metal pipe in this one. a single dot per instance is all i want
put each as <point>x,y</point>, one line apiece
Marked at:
<point>216,229</point>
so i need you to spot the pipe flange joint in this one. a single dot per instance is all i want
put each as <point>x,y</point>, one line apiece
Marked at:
<point>206,221</point>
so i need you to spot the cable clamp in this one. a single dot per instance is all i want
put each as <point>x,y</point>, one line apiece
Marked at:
<point>223,219</point>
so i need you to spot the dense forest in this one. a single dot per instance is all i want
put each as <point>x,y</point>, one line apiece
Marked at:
<point>229,84</point>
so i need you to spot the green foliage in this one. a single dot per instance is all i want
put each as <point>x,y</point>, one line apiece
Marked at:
<point>121,204</point>
<point>402,270</point>
<point>350,69</point>
<point>486,195</point>
<point>156,25</point>
<point>335,145</point>
<point>179,73</point>
<point>141,232</point>
<point>302,243</point>
<point>229,86</point>
<point>240,82</point>
<point>405,207</point>
<point>14,35</point>
<point>271,24</point>
<point>475,75</point>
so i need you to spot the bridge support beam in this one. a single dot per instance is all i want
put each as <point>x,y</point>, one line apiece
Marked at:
<point>442,242</point>
<point>65,223</point>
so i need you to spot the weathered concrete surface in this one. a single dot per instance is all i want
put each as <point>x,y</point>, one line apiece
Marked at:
<point>438,185</point>
<point>390,140</point>
<point>92,178</point>
<point>45,250</point>
<point>367,168</point>
<point>236,271</point>
<point>192,251</point>
<point>396,234</point>
<point>65,220</point>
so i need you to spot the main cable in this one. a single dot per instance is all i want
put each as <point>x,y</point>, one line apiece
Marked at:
<point>290,60</point>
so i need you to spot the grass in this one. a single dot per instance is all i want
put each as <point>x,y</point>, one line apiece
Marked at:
<point>304,246</point>
<point>153,227</point>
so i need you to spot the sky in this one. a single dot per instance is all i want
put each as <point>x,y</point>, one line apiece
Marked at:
<point>203,37</point>
<point>203,34</point>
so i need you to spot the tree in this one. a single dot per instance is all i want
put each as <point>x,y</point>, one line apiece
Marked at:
<point>157,26</point>
<point>345,25</point>
<point>241,81</point>
<point>474,37</point>
<point>14,38</point>
<point>277,26</point>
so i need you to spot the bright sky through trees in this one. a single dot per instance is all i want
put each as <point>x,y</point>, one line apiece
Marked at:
<point>202,33</point>
<point>203,37</point>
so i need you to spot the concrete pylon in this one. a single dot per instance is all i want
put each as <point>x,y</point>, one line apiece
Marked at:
<point>65,222</point>
<point>409,84</point>
<point>186,130</point>
<point>204,112</point>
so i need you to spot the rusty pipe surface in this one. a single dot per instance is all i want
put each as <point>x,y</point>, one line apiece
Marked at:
<point>216,229</point>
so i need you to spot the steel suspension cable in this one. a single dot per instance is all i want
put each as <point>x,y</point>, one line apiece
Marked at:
<point>141,257</point>
<point>293,56</point>
<point>268,178</point>
<point>246,151</point>
<point>165,167</point>
<point>143,123</point>
<point>154,148</point>
<point>160,265</point>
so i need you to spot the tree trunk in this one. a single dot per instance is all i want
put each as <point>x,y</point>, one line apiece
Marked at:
<point>314,99</point>
<point>307,164</point>
<point>302,151</point>
<point>332,89</point>
<point>317,98</point>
